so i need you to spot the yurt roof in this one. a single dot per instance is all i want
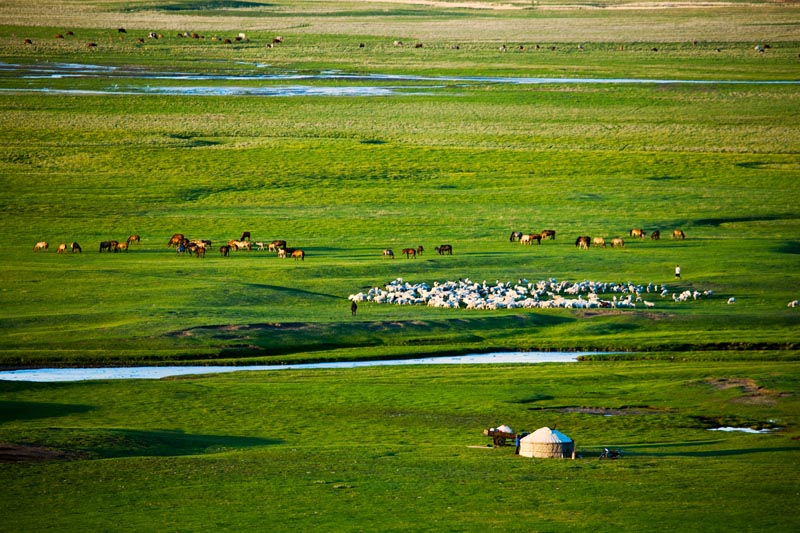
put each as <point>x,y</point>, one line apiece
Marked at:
<point>546,434</point>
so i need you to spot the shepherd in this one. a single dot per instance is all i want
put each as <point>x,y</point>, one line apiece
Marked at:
<point>353,308</point>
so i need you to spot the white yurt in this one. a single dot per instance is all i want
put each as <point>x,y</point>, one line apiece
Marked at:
<point>546,442</point>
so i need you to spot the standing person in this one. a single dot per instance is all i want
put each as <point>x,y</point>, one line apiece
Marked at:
<point>353,308</point>
<point>677,272</point>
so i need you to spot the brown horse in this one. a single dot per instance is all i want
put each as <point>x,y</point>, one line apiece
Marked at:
<point>617,242</point>
<point>655,235</point>
<point>637,233</point>
<point>299,254</point>
<point>528,239</point>
<point>444,249</point>
<point>678,234</point>
<point>175,240</point>
<point>409,253</point>
<point>61,248</point>
<point>599,241</point>
<point>225,250</point>
<point>548,234</point>
<point>134,238</point>
<point>583,242</point>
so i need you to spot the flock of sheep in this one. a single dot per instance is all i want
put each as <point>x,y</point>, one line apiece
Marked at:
<point>544,294</point>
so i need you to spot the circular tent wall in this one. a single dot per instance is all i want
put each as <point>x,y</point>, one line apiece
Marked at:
<point>546,442</point>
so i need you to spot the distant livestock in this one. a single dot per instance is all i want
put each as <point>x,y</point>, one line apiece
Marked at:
<point>599,242</point>
<point>638,233</point>
<point>388,253</point>
<point>548,234</point>
<point>176,239</point>
<point>75,247</point>
<point>678,234</point>
<point>617,243</point>
<point>299,254</point>
<point>444,249</point>
<point>61,248</point>
<point>583,242</point>
<point>515,236</point>
<point>655,235</point>
<point>410,253</point>
<point>529,238</point>
<point>134,239</point>
<point>41,245</point>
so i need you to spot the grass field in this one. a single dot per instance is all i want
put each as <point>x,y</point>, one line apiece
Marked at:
<point>446,159</point>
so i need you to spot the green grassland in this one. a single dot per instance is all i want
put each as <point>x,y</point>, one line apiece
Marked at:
<point>443,160</point>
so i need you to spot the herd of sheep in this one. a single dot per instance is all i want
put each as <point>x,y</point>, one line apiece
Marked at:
<point>544,294</point>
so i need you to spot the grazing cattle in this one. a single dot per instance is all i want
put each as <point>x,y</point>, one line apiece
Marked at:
<point>548,234</point>
<point>75,247</point>
<point>617,243</point>
<point>245,236</point>
<point>175,240</point>
<point>599,241</point>
<point>515,236</point>
<point>106,245</point>
<point>528,239</point>
<point>134,238</point>
<point>225,250</point>
<point>388,253</point>
<point>678,234</point>
<point>61,248</point>
<point>275,246</point>
<point>637,233</point>
<point>655,235</point>
<point>582,242</point>
<point>41,245</point>
<point>299,254</point>
<point>409,253</point>
<point>444,249</point>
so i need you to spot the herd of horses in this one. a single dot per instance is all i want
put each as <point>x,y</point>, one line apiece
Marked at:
<point>412,253</point>
<point>198,247</point>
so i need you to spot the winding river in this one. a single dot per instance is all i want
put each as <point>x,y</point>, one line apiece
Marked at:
<point>158,372</point>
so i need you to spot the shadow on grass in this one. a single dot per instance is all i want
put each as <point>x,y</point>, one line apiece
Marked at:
<point>684,449</point>
<point>10,410</point>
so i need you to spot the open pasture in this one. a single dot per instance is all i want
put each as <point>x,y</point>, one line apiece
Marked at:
<point>448,153</point>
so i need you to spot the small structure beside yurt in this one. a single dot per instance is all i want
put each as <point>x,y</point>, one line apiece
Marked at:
<point>546,442</point>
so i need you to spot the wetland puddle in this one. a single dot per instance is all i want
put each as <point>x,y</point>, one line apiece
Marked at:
<point>50,78</point>
<point>158,372</point>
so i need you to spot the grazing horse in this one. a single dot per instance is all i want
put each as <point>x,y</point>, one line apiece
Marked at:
<point>225,250</point>
<point>134,238</point>
<point>245,236</point>
<point>528,239</point>
<point>409,253</point>
<point>388,253</point>
<point>274,246</point>
<point>444,249</point>
<point>582,242</point>
<point>548,234</point>
<point>41,245</point>
<point>61,248</point>
<point>259,246</point>
<point>678,234</point>
<point>299,254</point>
<point>239,245</point>
<point>599,241</point>
<point>284,252</point>
<point>107,246</point>
<point>121,246</point>
<point>617,242</point>
<point>420,249</point>
<point>638,233</point>
<point>75,247</point>
<point>655,235</point>
<point>200,251</point>
<point>515,236</point>
<point>175,240</point>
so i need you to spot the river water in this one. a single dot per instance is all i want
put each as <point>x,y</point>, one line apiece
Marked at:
<point>158,372</point>
<point>46,77</point>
